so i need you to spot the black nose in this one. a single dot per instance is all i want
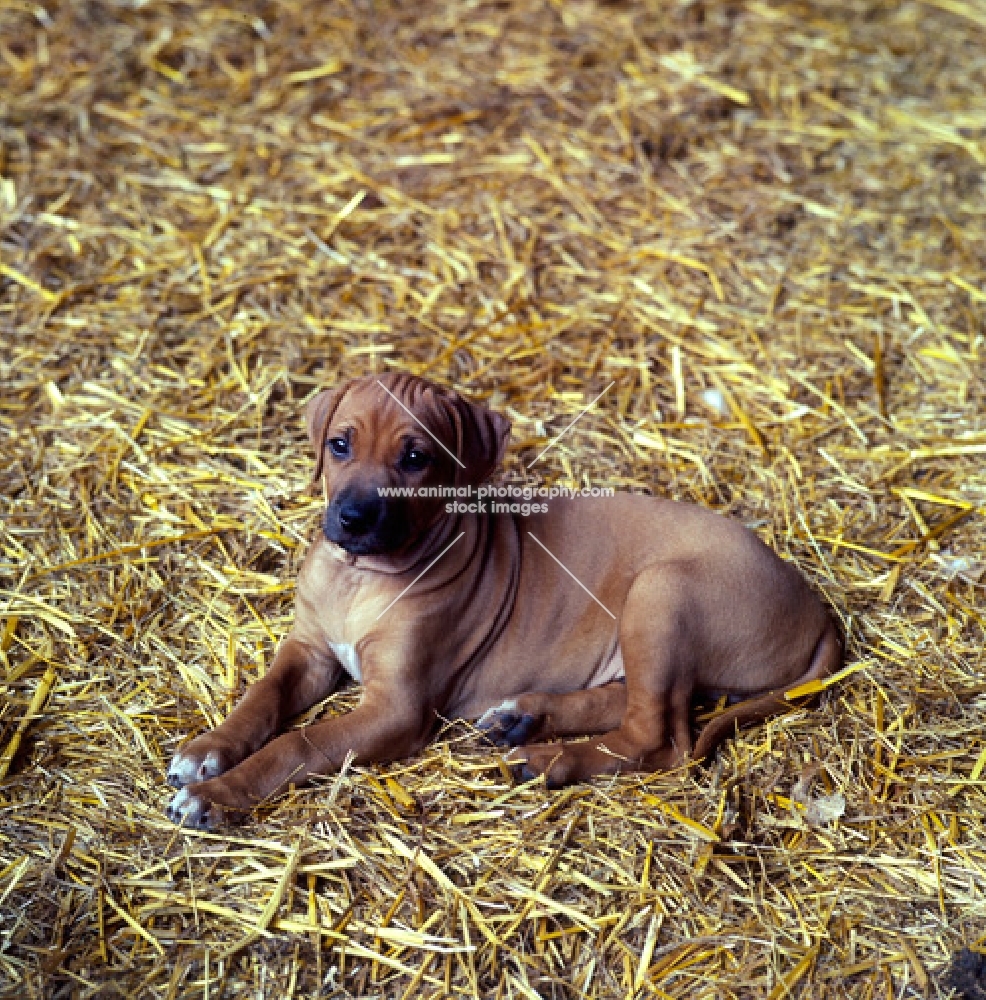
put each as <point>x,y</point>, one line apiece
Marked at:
<point>358,518</point>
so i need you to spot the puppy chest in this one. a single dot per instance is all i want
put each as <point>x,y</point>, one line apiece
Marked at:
<point>349,658</point>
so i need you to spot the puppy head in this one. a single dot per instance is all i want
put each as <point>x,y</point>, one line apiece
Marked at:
<point>379,434</point>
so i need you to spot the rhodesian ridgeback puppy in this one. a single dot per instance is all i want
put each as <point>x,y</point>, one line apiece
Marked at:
<point>602,616</point>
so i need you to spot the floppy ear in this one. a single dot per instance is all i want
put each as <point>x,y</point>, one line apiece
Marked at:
<point>318,414</point>
<point>481,437</point>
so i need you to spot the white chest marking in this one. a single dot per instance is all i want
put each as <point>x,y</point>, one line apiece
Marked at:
<point>349,659</point>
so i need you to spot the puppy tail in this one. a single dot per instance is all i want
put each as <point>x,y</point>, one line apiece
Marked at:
<point>825,660</point>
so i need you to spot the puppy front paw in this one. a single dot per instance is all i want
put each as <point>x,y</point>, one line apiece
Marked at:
<point>194,810</point>
<point>205,757</point>
<point>507,725</point>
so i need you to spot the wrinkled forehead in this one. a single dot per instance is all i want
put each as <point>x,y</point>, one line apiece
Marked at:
<point>372,409</point>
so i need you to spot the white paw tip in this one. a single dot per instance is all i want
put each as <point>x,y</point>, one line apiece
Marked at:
<point>510,705</point>
<point>187,809</point>
<point>182,769</point>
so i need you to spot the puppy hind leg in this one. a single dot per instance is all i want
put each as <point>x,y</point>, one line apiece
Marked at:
<point>681,723</point>
<point>543,715</point>
<point>639,743</point>
<point>654,732</point>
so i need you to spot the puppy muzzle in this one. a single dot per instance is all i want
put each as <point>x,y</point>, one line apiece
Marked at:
<point>364,523</point>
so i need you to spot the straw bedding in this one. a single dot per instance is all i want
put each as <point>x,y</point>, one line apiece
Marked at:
<point>762,223</point>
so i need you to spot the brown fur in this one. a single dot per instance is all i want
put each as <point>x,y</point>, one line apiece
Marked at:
<point>496,629</point>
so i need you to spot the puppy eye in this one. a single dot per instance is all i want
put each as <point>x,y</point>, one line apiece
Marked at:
<point>414,460</point>
<point>339,447</point>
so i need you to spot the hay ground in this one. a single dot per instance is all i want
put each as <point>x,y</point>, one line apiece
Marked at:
<point>764,222</point>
